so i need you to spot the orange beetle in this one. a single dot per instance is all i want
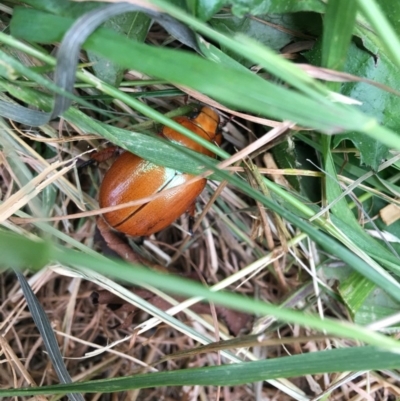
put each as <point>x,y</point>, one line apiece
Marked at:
<point>131,178</point>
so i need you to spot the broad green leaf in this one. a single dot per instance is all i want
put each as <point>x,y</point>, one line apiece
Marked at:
<point>367,305</point>
<point>212,52</point>
<point>378,305</point>
<point>266,34</point>
<point>355,290</point>
<point>66,8</point>
<point>242,7</point>
<point>290,6</point>
<point>387,39</point>
<point>135,26</point>
<point>376,102</point>
<point>205,9</point>
<point>294,154</point>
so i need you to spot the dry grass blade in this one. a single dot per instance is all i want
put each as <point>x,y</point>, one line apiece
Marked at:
<point>24,195</point>
<point>47,334</point>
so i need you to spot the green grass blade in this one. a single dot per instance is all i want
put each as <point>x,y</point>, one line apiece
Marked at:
<point>141,276</point>
<point>254,94</point>
<point>338,26</point>
<point>361,358</point>
<point>388,36</point>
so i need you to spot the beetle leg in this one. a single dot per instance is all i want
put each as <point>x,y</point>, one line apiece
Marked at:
<point>101,156</point>
<point>191,211</point>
